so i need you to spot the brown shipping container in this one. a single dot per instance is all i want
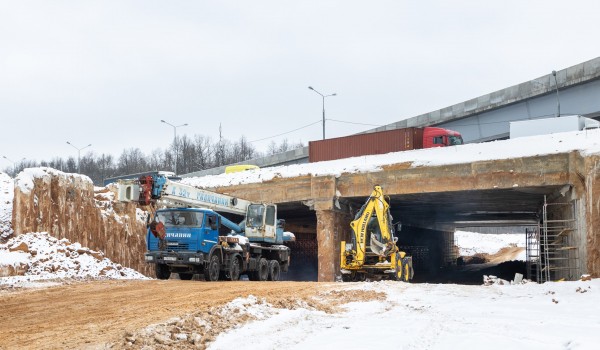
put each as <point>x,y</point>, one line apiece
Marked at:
<point>364,144</point>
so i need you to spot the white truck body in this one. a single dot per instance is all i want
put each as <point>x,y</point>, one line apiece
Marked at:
<point>551,125</point>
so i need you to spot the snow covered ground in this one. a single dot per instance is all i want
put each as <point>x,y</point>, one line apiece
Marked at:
<point>586,142</point>
<point>561,315</point>
<point>471,243</point>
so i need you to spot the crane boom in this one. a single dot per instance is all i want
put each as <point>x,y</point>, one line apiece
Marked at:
<point>159,188</point>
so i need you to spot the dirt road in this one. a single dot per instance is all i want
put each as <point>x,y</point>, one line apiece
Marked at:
<point>506,254</point>
<point>92,314</point>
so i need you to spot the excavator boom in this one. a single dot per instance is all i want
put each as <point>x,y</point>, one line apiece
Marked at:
<point>373,252</point>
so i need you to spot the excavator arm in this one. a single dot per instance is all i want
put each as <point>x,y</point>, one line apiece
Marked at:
<point>373,250</point>
<point>372,227</point>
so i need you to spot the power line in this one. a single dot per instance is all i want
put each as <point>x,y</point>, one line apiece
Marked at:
<point>287,132</point>
<point>379,125</point>
<point>347,122</point>
<point>311,124</point>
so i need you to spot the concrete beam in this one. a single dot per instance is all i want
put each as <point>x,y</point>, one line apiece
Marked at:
<point>497,174</point>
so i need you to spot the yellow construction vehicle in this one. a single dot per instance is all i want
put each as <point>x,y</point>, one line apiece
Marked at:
<point>373,253</point>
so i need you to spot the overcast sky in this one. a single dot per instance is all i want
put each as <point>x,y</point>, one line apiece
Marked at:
<point>107,72</point>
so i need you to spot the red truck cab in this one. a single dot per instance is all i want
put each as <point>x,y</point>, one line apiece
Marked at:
<point>440,137</point>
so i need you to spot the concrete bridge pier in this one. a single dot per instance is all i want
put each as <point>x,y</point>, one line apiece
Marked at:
<point>333,226</point>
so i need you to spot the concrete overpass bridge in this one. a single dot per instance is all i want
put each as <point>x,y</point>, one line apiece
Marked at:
<point>431,201</point>
<point>487,117</point>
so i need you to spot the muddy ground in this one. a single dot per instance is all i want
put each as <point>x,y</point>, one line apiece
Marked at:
<point>110,314</point>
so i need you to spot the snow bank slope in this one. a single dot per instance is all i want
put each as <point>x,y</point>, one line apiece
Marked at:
<point>39,256</point>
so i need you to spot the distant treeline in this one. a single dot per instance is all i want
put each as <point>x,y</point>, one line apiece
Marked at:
<point>194,154</point>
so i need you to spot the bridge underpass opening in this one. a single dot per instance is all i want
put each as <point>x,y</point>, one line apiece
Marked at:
<point>428,222</point>
<point>302,222</point>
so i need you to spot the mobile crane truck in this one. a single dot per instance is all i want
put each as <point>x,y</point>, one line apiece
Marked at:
<point>190,237</point>
<point>373,252</point>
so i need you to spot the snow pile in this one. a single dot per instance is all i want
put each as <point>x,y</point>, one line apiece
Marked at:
<point>471,243</point>
<point>24,180</point>
<point>38,256</point>
<point>199,329</point>
<point>586,142</point>
<point>7,193</point>
<point>251,306</point>
<point>432,316</point>
<point>491,279</point>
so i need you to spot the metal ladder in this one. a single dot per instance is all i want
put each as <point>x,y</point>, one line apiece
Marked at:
<point>532,251</point>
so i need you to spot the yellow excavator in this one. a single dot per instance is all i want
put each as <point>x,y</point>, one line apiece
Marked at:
<point>373,253</point>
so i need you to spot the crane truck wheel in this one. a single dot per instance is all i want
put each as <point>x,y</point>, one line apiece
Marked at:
<point>162,272</point>
<point>253,275</point>
<point>234,269</point>
<point>211,271</point>
<point>263,269</point>
<point>274,270</point>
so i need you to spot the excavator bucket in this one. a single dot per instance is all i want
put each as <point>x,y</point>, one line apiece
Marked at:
<point>379,248</point>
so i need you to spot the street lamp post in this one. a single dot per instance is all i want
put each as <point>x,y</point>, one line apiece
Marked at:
<point>323,96</point>
<point>78,155</point>
<point>14,164</point>
<point>557,99</point>
<point>175,141</point>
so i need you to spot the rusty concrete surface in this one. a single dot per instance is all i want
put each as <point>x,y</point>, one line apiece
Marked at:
<point>64,206</point>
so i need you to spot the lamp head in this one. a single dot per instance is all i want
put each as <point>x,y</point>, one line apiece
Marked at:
<point>554,72</point>
<point>310,87</point>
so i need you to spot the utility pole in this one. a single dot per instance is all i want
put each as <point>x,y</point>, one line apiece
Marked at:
<point>79,155</point>
<point>175,142</point>
<point>557,99</point>
<point>14,164</point>
<point>323,96</point>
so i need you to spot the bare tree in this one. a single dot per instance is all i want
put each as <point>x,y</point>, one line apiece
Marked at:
<point>205,153</point>
<point>284,146</point>
<point>195,154</point>
<point>131,161</point>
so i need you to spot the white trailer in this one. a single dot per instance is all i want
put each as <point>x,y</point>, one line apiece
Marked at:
<point>551,125</point>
